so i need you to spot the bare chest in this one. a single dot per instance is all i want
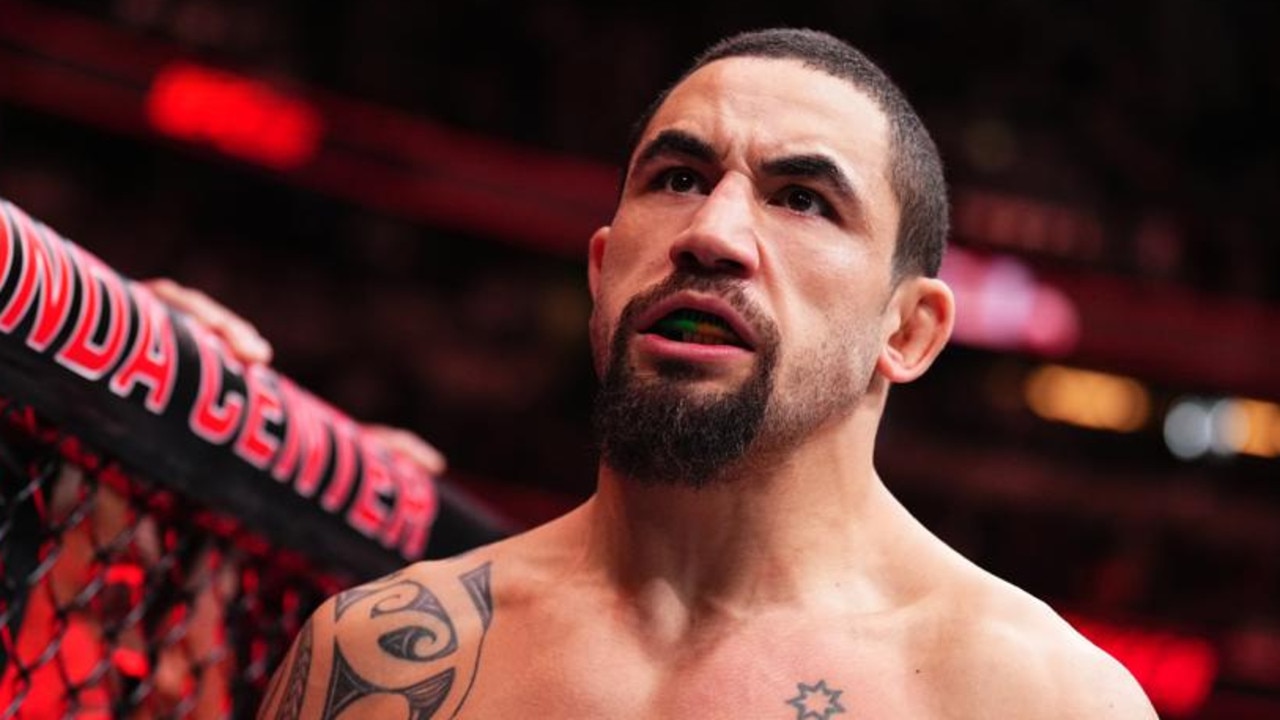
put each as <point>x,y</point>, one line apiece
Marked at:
<point>783,673</point>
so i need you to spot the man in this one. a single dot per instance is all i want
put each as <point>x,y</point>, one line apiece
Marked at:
<point>768,274</point>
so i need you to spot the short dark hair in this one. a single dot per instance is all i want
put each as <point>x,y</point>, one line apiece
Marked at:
<point>915,168</point>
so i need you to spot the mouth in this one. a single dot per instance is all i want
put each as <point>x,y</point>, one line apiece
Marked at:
<point>698,322</point>
<point>697,327</point>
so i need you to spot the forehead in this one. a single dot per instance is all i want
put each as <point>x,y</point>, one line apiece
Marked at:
<point>765,107</point>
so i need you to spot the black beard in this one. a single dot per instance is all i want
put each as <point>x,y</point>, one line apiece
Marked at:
<point>656,431</point>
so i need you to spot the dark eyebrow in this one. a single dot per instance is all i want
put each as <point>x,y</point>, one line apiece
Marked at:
<point>815,167</point>
<point>678,143</point>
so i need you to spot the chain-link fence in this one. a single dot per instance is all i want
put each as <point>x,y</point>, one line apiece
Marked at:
<point>119,599</point>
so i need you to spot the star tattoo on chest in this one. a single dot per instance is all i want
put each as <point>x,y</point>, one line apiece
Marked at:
<point>816,702</point>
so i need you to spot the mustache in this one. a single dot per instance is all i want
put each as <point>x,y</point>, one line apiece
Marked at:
<point>731,290</point>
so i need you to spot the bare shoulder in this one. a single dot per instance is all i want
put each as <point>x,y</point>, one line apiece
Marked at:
<point>1012,655</point>
<point>405,645</point>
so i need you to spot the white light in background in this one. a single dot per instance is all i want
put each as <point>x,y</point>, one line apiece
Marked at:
<point>1195,427</point>
<point>1188,428</point>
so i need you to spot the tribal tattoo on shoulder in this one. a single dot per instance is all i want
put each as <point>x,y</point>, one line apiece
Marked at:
<point>295,686</point>
<point>427,635</point>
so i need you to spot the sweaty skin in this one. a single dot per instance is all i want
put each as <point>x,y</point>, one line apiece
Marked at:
<point>797,587</point>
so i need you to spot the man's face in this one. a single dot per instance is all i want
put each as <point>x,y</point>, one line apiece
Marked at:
<point>741,293</point>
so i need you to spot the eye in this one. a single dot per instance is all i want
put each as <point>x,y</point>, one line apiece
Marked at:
<point>678,180</point>
<point>803,201</point>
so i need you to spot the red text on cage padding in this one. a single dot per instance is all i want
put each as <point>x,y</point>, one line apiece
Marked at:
<point>68,307</point>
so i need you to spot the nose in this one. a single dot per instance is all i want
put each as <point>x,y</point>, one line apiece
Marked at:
<point>721,236</point>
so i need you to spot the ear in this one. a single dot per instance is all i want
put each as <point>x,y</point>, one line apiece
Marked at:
<point>595,257</point>
<point>922,313</point>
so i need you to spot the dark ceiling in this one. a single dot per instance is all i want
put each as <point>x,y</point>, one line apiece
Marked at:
<point>1154,117</point>
<point>1149,114</point>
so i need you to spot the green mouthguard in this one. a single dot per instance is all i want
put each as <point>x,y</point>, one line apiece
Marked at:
<point>691,326</point>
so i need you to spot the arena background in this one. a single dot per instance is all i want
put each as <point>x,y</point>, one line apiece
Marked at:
<point>399,195</point>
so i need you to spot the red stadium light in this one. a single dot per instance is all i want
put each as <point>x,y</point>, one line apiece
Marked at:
<point>239,116</point>
<point>1176,671</point>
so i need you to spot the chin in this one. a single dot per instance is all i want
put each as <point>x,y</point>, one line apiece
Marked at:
<point>690,373</point>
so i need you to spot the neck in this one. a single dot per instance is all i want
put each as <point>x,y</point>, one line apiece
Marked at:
<point>805,533</point>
